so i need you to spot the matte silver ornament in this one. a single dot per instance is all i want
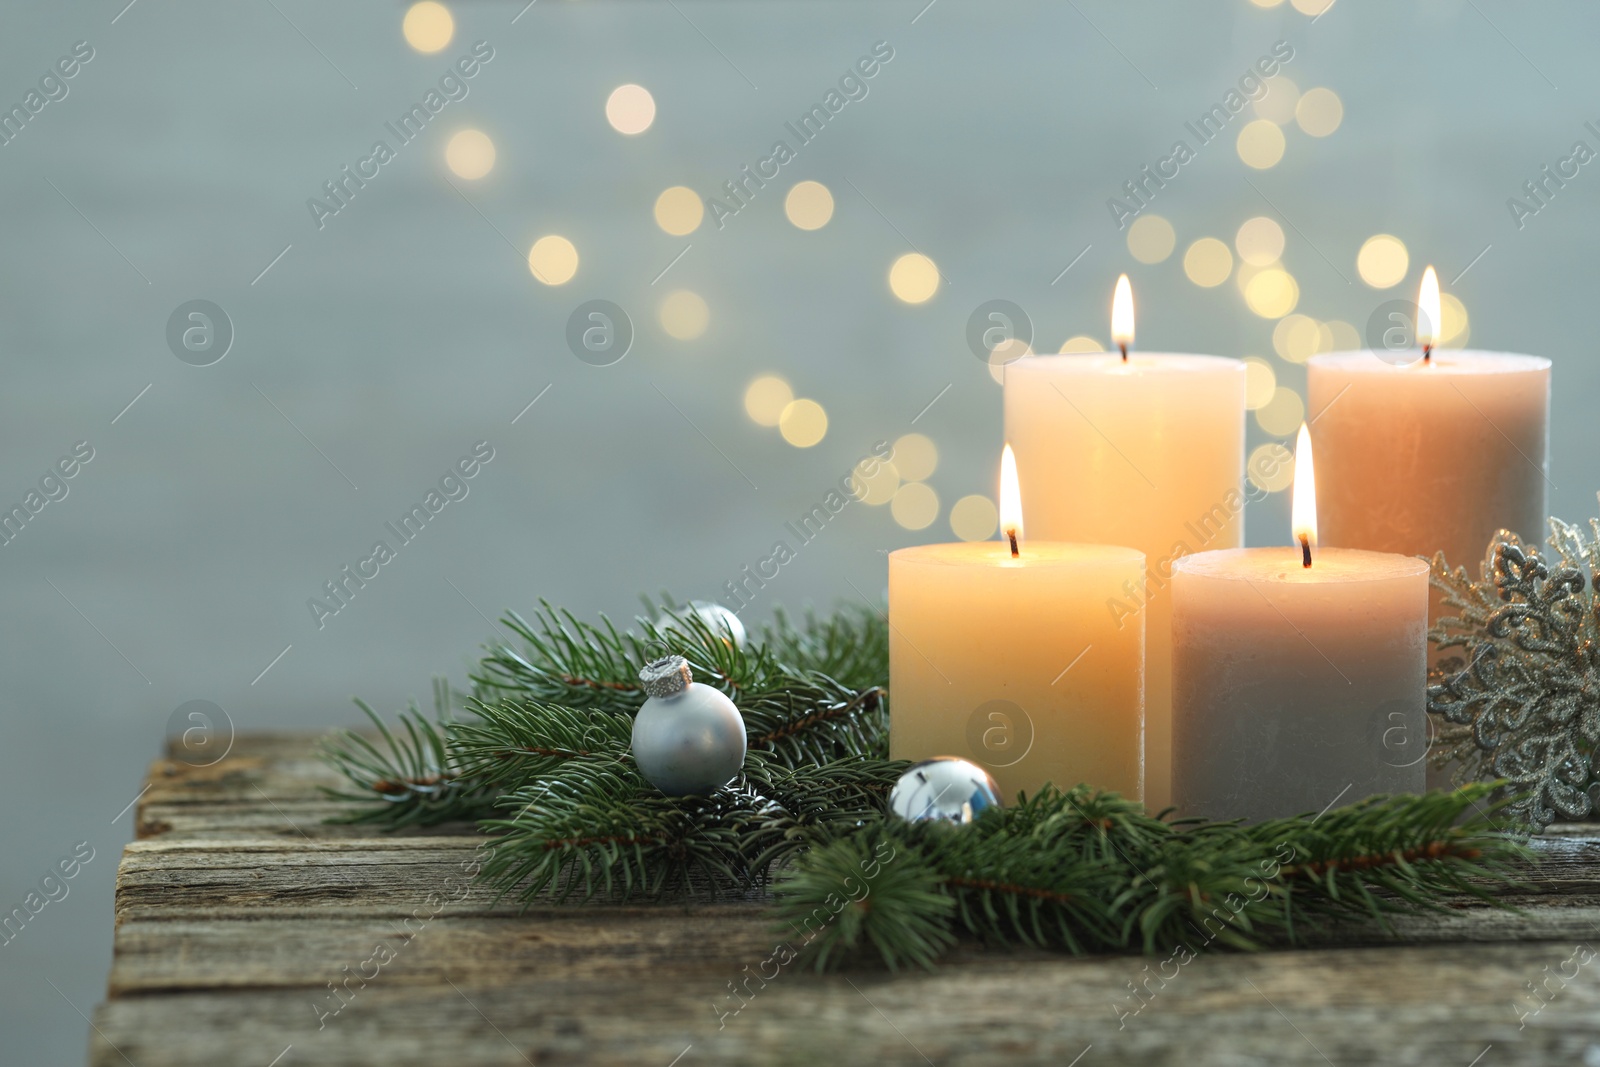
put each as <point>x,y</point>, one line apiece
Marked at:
<point>718,619</point>
<point>944,789</point>
<point>688,739</point>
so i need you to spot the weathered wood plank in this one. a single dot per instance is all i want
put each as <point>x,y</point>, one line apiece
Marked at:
<point>1427,1005</point>
<point>240,912</point>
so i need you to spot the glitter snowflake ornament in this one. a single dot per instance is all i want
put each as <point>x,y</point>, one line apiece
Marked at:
<point>1522,700</point>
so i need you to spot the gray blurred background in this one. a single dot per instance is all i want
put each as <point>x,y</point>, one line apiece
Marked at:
<point>373,352</point>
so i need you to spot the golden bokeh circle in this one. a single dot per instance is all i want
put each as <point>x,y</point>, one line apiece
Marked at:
<point>630,109</point>
<point>914,278</point>
<point>1151,238</point>
<point>1260,144</point>
<point>1277,104</point>
<point>1208,262</point>
<point>974,518</point>
<point>915,457</point>
<point>1081,343</point>
<point>1283,414</point>
<point>553,259</point>
<point>679,210</point>
<point>1270,467</point>
<point>469,154</point>
<point>879,488</point>
<point>1259,241</point>
<point>428,26</point>
<point>1383,261</point>
<point>803,423</point>
<point>684,314</point>
<point>765,398</point>
<point>915,506</point>
<point>1272,293</point>
<point>1319,112</point>
<point>809,205</point>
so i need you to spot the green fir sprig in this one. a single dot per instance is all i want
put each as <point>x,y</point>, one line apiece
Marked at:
<point>537,753</point>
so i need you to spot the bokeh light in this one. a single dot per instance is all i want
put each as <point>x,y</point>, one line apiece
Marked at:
<point>914,278</point>
<point>1259,241</point>
<point>1260,144</point>
<point>469,154</point>
<point>765,398</point>
<point>679,210</point>
<point>1345,337</point>
<point>1266,3</point>
<point>1272,293</point>
<point>553,259</point>
<point>1270,467</point>
<point>915,457</point>
<point>1319,111</point>
<point>809,205</point>
<point>684,314</point>
<point>1383,261</point>
<point>803,423</point>
<point>1283,414</point>
<point>1296,338</point>
<point>1081,343</point>
<point>915,506</point>
<point>1151,238</point>
<point>630,109</point>
<point>1312,7</point>
<point>878,489</point>
<point>1260,380</point>
<point>428,26</point>
<point>974,518</point>
<point>1208,262</point>
<point>1277,104</point>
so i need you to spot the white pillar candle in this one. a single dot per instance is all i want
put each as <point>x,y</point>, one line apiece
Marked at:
<point>1011,661</point>
<point>1296,686</point>
<point>1145,450</point>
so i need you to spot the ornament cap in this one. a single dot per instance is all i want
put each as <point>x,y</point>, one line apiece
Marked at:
<point>666,677</point>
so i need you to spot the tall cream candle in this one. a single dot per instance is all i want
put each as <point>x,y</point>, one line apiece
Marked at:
<point>1013,662</point>
<point>1144,450</point>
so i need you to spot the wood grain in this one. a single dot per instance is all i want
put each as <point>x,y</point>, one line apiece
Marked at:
<point>248,929</point>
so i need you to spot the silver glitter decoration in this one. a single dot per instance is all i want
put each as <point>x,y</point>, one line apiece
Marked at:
<point>1523,700</point>
<point>944,789</point>
<point>665,676</point>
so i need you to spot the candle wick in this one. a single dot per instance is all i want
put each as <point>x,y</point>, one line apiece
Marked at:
<point>1305,551</point>
<point>1124,346</point>
<point>1012,533</point>
<point>1427,353</point>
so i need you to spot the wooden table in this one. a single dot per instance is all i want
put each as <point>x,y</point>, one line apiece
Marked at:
<point>238,911</point>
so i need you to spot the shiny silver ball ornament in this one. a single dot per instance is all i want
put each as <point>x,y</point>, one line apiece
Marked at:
<point>944,789</point>
<point>718,619</point>
<point>688,739</point>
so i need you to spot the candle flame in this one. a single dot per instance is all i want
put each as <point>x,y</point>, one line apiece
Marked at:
<point>1122,315</point>
<point>1010,499</point>
<point>1303,515</point>
<point>1428,312</point>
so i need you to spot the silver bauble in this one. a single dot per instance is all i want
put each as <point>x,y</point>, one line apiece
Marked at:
<point>688,739</point>
<point>718,619</point>
<point>944,789</point>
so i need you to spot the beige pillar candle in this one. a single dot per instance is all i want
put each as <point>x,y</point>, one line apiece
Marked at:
<point>1012,661</point>
<point>1144,450</point>
<point>1422,455</point>
<point>1299,674</point>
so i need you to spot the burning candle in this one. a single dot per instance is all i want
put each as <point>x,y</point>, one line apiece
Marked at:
<point>1139,449</point>
<point>1429,449</point>
<point>1002,652</point>
<point>1299,674</point>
